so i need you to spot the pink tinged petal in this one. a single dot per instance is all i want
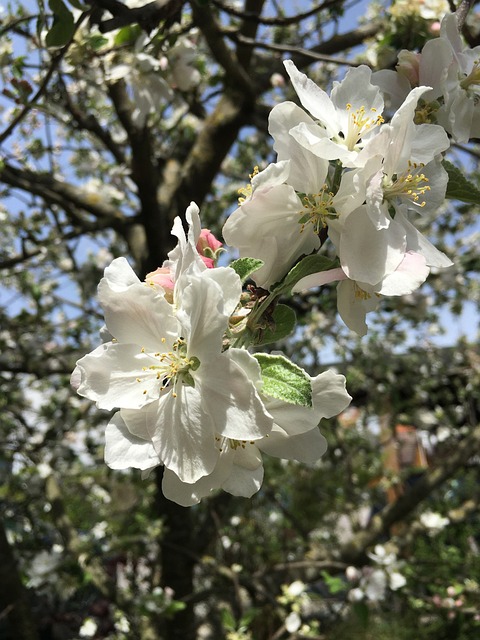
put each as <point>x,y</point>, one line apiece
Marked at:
<point>353,307</point>
<point>119,275</point>
<point>118,375</point>
<point>319,279</point>
<point>314,99</point>
<point>306,447</point>
<point>230,398</point>
<point>124,450</point>
<point>368,254</point>
<point>207,240</point>
<point>182,433</point>
<point>139,315</point>
<point>418,243</point>
<point>409,275</point>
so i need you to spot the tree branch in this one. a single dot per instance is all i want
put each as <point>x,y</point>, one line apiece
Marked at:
<point>406,503</point>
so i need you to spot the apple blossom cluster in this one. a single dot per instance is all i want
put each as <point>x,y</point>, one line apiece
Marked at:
<point>187,397</point>
<point>347,172</point>
<point>175,363</point>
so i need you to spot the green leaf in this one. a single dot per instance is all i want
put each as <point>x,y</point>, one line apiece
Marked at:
<point>97,42</point>
<point>244,267</point>
<point>126,35</point>
<point>284,380</point>
<point>459,187</point>
<point>63,26</point>
<point>282,324</point>
<point>306,266</point>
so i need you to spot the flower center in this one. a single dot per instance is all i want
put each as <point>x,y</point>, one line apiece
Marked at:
<point>473,77</point>
<point>359,293</point>
<point>222,443</point>
<point>246,192</point>
<point>318,208</point>
<point>411,185</point>
<point>425,113</point>
<point>360,123</point>
<point>174,365</point>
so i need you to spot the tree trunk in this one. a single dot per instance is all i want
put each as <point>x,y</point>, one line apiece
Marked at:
<point>14,605</point>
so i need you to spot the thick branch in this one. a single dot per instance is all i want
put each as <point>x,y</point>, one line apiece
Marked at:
<point>60,193</point>
<point>235,74</point>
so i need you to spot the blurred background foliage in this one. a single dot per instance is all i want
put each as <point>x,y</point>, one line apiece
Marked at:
<point>113,118</point>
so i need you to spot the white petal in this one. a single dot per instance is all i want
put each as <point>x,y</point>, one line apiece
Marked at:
<point>243,482</point>
<point>313,98</point>
<point>119,275</point>
<point>307,171</point>
<point>368,254</point>
<point>230,397</point>
<point>124,450</point>
<point>306,447</point>
<point>182,433</point>
<point>116,376</point>
<point>353,308</point>
<point>319,279</point>
<point>139,315</point>
<point>409,275</point>
<point>205,302</point>
<point>187,494</point>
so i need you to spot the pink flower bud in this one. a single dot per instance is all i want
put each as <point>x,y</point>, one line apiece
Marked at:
<point>161,276</point>
<point>207,239</point>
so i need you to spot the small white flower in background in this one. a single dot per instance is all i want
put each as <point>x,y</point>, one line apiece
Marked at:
<point>433,522</point>
<point>43,568</point>
<point>88,628</point>
<point>295,588</point>
<point>293,622</point>
<point>396,580</point>
<point>375,585</point>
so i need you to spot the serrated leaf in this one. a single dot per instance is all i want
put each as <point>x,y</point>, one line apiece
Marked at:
<point>459,187</point>
<point>306,266</point>
<point>283,323</point>
<point>244,267</point>
<point>284,380</point>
